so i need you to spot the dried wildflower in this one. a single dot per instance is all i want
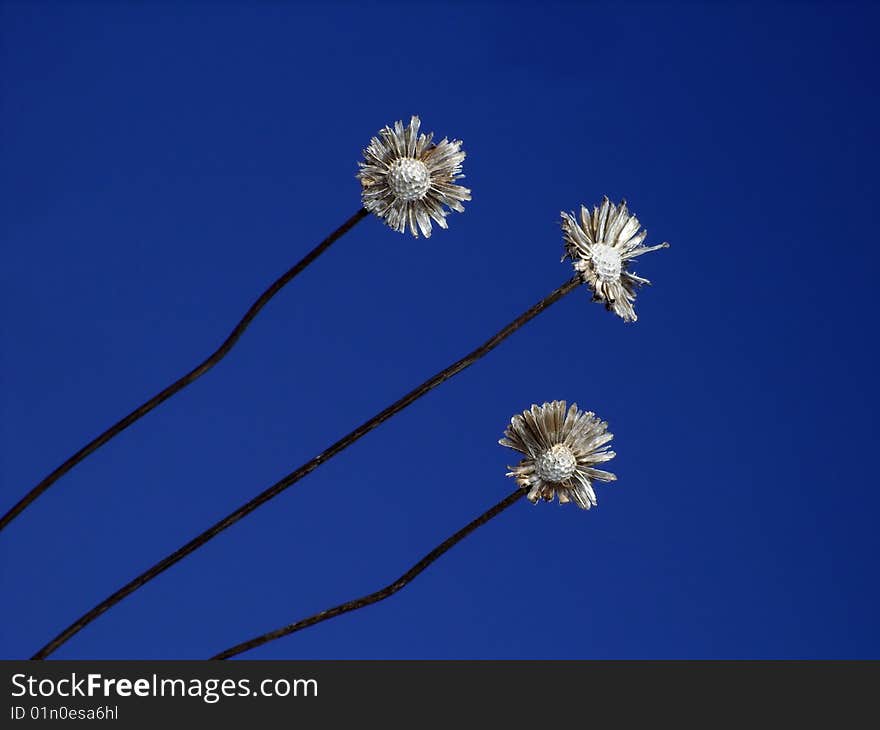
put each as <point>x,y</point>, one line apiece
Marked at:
<point>561,449</point>
<point>406,180</point>
<point>601,246</point>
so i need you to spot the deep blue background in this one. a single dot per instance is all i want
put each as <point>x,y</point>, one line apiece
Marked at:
<point>163,163</point>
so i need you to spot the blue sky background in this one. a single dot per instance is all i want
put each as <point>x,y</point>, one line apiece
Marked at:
<point>162,163</point>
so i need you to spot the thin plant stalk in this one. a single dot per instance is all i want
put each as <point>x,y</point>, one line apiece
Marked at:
<point>185,380</point>
<point>382,593</point>
<point>307,468</point>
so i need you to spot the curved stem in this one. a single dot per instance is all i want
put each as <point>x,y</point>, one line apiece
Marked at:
<point>185,380</point>
<point>382,593</point>
<point>306,468</point>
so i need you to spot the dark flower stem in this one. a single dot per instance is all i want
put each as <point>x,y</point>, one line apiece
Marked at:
<point>306,468</point>
<point>382,593</point>
<point>187,379</point>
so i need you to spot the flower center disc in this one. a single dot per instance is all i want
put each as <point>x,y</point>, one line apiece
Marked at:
<point>556,464</point>
<point>409,179</point>
<point>606,261</point>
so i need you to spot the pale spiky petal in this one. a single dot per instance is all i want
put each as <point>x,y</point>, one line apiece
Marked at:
<point>601,245</point>
<point>408,181</point>
<point>561,449</point>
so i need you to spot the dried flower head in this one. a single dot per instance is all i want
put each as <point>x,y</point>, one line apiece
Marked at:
<point>601,246</point>
<point>406,180</point>
<point>561,450</point>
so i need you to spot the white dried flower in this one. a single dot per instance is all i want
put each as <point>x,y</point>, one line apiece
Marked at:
<point>561,449</point>
<point>601,246</point>
<point>406,180</point>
